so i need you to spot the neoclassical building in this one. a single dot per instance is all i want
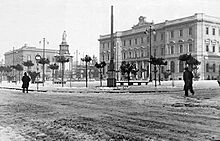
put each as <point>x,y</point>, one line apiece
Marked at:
<point>198,34</point>
<point>20,55</point>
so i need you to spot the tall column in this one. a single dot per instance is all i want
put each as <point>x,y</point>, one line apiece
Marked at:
<point>111,81</point>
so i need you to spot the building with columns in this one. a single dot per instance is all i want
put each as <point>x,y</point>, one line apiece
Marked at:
<point>198,35</point>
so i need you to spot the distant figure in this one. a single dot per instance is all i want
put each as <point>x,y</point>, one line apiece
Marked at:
<point>25,80</point>
<point>188,80</point>
<point>218,80</point>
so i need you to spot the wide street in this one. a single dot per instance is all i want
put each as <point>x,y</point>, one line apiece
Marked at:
<point>159,115</point>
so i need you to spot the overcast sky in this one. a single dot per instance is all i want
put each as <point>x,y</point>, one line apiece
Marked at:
<point>29,21</point>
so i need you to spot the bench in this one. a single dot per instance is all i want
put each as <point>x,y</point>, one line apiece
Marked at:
<point>131,82</point>
<point>14,81</point>
<point>59,82</point>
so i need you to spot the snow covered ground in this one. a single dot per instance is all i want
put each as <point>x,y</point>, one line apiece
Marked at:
<point>94,115</point>
<point>165,85</point>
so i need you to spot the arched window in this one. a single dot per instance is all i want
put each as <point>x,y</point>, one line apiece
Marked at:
<point>181,66</point>
<point>207,67</point>
<point>129,54</point>
<point>172,66</point>
<point>190,47</point>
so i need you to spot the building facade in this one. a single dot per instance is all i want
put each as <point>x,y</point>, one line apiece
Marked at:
<point>198,35</point>
<point>25,53</point>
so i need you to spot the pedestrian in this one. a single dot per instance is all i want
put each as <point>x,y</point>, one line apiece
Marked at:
<point>218,80</point>
<point>188,81</point>
<point>25,80</point>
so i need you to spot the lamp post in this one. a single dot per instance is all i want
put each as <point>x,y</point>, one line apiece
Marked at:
<point>150,31</point>
<point>37,58</point>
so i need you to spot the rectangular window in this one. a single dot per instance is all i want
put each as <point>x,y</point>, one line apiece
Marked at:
<point>190,31</point>
<point>207,48</point>
<point>161,37</point>
<point>180,32</point>
<point>162,51</point>
<point>135,41</point>
<point>172,50</point>
<point>28,57</point>
<point>130,42</point>
<point>148,39</point>
<point>103,46</point>
<point>124,43</point>
<point>155,37</point>
<point>190,47</point>
<point>142,40</point>
<point>213,31</point>
<point>213,48</point>
<point>207,30</point>
<point>181,48</point>
<point>172,34</point>
<point>219,32</point>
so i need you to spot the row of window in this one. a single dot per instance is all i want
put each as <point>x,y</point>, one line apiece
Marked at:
<point>180,49</point>
<point>209,68</point>
<point>141,40</point>
<point>213,49</point>
<point>180,32</point>
<point>213,31</point>
<point>144,53</point>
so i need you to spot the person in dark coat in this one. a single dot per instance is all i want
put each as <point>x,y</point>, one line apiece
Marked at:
<point>25,80</point>
<point>188,81</point>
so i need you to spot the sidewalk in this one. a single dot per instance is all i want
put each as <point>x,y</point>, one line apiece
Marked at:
<point>93,87</point>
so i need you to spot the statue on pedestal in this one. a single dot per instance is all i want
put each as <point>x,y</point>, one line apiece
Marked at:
<point>64,36</point>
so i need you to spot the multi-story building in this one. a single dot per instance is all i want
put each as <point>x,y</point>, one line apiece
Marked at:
<point>18,56</point>
<point>198,35</point>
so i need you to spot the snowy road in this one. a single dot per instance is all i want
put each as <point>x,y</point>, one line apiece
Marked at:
<point>104,116</point>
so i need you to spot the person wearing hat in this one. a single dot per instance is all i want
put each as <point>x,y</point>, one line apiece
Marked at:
<point>25,80</point>
<point>188,81</point>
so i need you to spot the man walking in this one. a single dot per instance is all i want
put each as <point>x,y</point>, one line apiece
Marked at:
<point>188,81</point>
<point>25,79</point>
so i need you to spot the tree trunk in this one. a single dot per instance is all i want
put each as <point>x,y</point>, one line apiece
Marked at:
<point>100,71</point>
<point>128,78</point>
<point>53,75</point>
<point>86,74</point>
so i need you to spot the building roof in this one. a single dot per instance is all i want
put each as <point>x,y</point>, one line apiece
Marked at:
<point>142,24</point>
<point>28,48</point>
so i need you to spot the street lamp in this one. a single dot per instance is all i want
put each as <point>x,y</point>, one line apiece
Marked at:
<point>150,31</point>
<point>37,58</point>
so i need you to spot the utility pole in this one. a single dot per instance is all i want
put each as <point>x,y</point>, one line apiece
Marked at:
<point>13,72</point>
<point>44,59</point>
<point>43,63</point>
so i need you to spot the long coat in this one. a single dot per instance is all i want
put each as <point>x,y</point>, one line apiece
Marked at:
<point>188,79</point>
<point>25,79</point>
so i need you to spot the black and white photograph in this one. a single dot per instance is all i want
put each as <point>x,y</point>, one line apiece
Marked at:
<point>110,70</point>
